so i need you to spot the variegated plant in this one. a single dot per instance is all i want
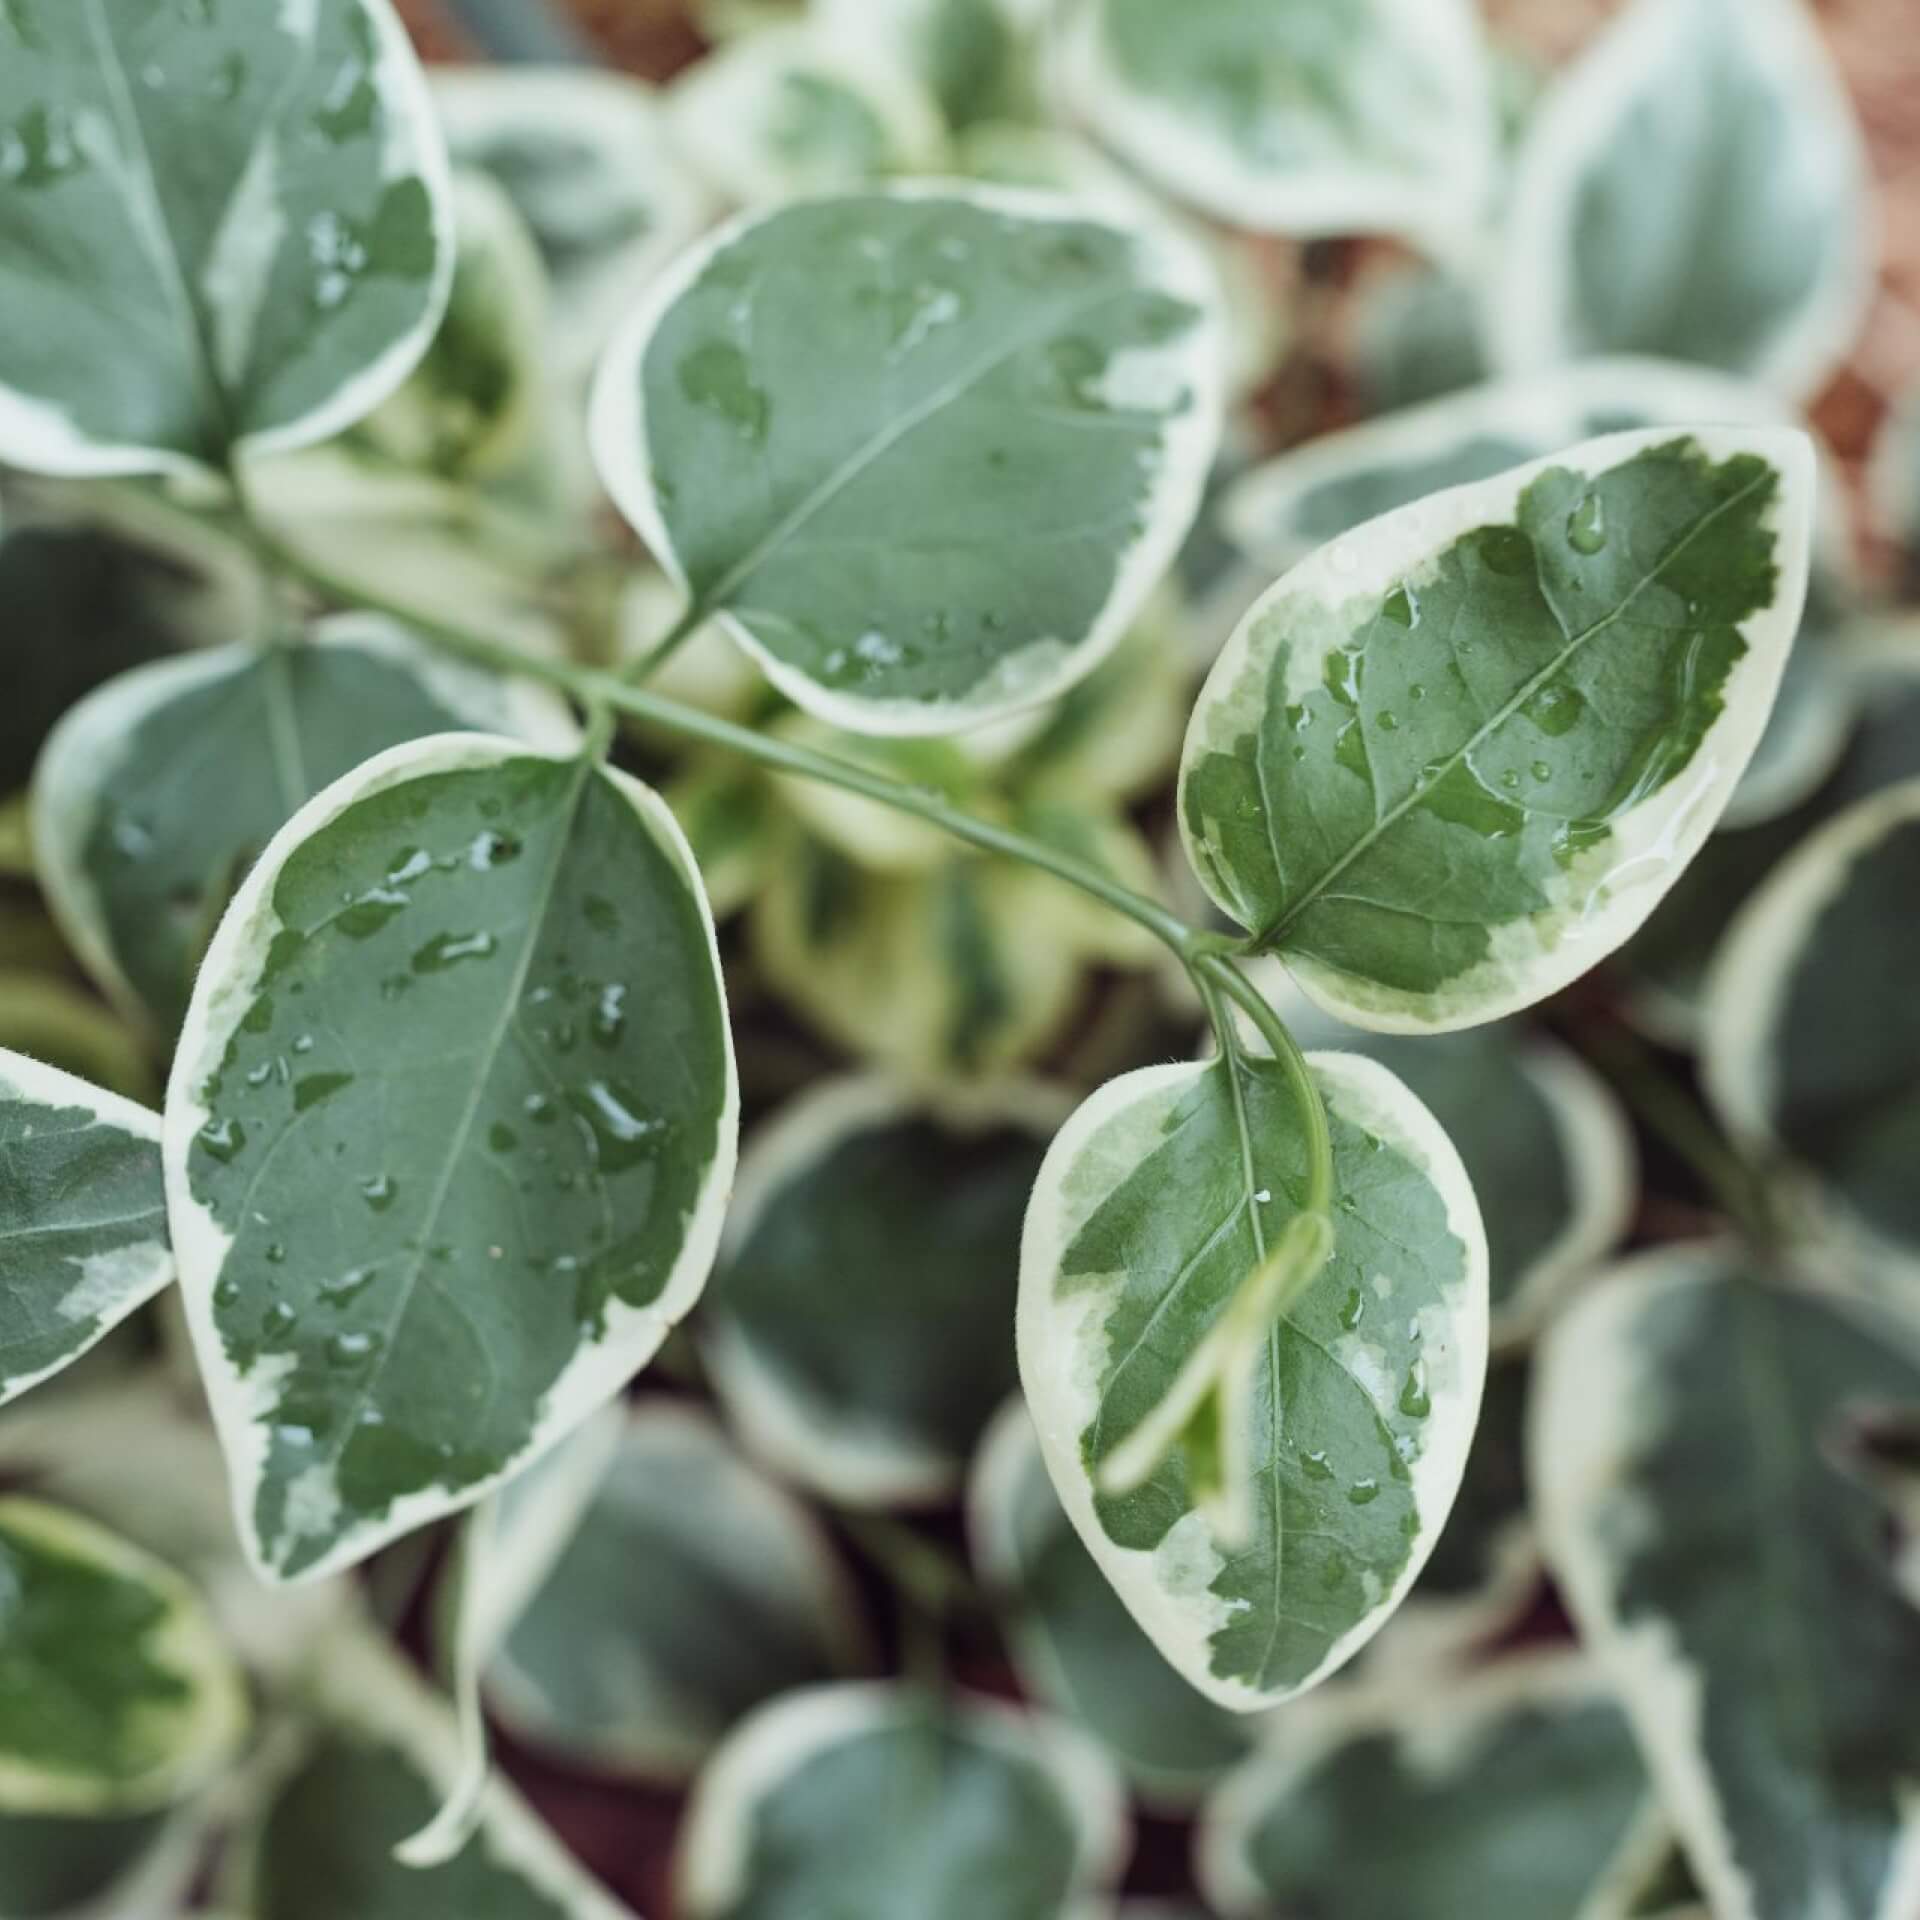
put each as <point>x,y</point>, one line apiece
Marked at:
<point>346,830</point>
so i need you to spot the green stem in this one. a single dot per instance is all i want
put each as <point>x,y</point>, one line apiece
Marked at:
<point>683,630</point>
<point>1214,968</point>
<point>599,692</point>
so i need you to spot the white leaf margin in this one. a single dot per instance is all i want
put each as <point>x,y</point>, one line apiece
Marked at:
<point>1752,977</point>
<point>1062,1348</point>
<point>815,1581</point>
<point>134,1274</point>
<point>93,738</point>
<point>226,988</point>
<point>617,431</point>
<point>824,1446</point>
<point>1548,409</point>
<point>1528,295</point>
<point>713,1860</point>
<point>1008,1452</point>
<point>37,434</point>
<point>1440,1730</point>
<point>1652,842</point>
<point>1592,1413</point>
<point>1167,144</point>
<point>186,1640</point>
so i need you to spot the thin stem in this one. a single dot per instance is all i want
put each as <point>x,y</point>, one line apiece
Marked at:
<point>1214,968</point>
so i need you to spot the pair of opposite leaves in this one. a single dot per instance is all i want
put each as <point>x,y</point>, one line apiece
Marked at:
<point>435,1193</point>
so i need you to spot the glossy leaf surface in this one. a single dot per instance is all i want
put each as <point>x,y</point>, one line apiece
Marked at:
<point>1158,1202</point>
<point>220,229</point>
<point>1455,758</point>
<point>927,452</point>
<point>451,1126</point>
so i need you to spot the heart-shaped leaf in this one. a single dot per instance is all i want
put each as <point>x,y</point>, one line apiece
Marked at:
<point>1454,759</point>
<point>1731,1573</point>
<point>877,1799</point>
<point>221,230</point>
<point>926,451</point>
<point>1697,188</point>
<point>1812,1040</point>
<point>83,1218</point>
<point>1294,117</point>
<point>451,1127</point>
<point>1161,1200</point>
<point>82,1734</point>
<point>155,794</point>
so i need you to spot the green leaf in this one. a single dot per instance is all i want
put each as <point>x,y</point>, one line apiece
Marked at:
<point>463,976</point>
<point>693,1591</point>
<point>875,1801</point>
<point>1517,1792</point>
<point>972,56</point>
<point>1453,760</point>
<point>1734,1579</point>
<point>156,793</point>
<point>382,1758</point>
<point>947,977</point>
<point>867,1380</point>
<point>1076,1647</point>
<point>1894,479</point>
<point>1695,187</point>
<point>1419,336</point>
<point>56,1867</point>
<point>1160,1199</point>
<point>1812,1037</point>
<point>1294,117</point>
<point>220,231</point>
<point>586,158</point>
<point>926,451</point>
<point>1544,1143</point>
<point>83,1218</point>
<point>798,111</point>
<point>116,1695</point>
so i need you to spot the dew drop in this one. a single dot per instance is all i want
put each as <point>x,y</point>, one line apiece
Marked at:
<point>1587,525</point>
<point>222,1139</point>
<point>446,950</point>
<point>1363,1493</point>
<point>1415,1401</point>
<point>380,1191</point>
<point>351,1349</point>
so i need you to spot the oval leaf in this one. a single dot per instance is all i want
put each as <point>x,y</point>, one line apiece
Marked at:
<point>83,1218</point>
<point>981,1808</point>
<point>1697,187</point>
<point>1518,1792</point>
<point>155,794</point>
<point>1294,117</point>
<point>382,1758</point>
<point>1452,761</point>
<point>1157,1202</point>
<point>868,1382</point>
<point>926,451</point>
<point>1812,1037</point>
<point>222,230</point>
<point>86,1734</point>
<point>693,1591</point>
<point>1732,1576</point>
<point>463,976</point>
<point>1076,1647</point>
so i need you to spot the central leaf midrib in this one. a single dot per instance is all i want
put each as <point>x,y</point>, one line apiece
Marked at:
<point>1428,779</point>
<point>486,1059</point>
<point>901,428</point>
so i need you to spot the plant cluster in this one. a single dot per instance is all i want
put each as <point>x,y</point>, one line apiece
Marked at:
<point>1127,876</point>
